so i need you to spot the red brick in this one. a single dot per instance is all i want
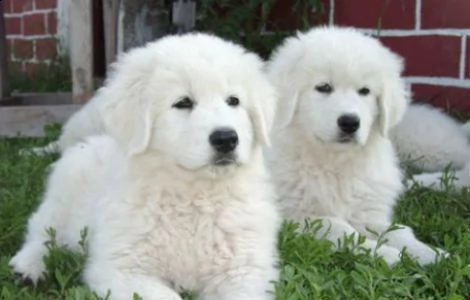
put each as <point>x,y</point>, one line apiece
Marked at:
<point>51,23</point>
<point>443,96</point>
<point>429,55</point>
<point>46,4</point>
<point>34,24</point>
<point>23,49</point>
<point>7,6</point>
<point>467,59</point>
<point>372,13</point>
<point>22,5</point>
<point>13,25</point>
<point>285,16</point>
<point>445,14</point>
<point>46,48</point>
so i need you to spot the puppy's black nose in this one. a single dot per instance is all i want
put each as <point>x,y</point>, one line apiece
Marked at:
<point>224,140</point>
<point>348,123</point>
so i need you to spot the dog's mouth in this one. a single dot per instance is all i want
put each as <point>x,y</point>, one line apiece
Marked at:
<point>345,138</point>
<point>224,160</point>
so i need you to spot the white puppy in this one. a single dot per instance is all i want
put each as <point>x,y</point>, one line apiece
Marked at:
<point>341,92</point>
<point>178,196</point>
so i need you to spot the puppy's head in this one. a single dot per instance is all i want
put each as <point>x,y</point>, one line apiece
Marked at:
<point>196,99</point>
<point>338,85</point>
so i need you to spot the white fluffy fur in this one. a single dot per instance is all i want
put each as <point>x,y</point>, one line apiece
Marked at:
<point>161,215</point>
<point>429,140</point>
<point>466,128</point>
<point>457,179</point>
<point>351,186</point>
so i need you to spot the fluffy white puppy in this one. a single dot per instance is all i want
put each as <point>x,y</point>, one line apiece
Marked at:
<point>331,159</point>
<point>430,140</point>
<point>177,197</point>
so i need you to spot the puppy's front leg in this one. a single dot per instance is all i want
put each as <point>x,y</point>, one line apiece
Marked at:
<point>123,284</point>
<point>335,229</point>
<point>403,237</point>
<point>244,283</point>
<point>28,262</point>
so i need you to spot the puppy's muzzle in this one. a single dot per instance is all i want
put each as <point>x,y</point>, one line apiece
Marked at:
<point>224,141</point>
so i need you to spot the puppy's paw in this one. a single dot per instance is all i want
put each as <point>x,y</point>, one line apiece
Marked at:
<point>442,253</point>
<point>390,254</point>
<point>28,263</point>
<point>426,255</point>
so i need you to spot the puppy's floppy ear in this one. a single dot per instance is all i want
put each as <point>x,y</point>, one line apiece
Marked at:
<point>287,76</point>
<point>129,122</point>
<point>288,97</point>
<point>263,110</point>
<point>286,108</point>
<point>127,113</point>
<point>393,101</point>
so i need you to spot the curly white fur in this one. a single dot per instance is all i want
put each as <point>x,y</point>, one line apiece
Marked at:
<point>162,216</point>
<point>351,184</point>
<point>429,140</point>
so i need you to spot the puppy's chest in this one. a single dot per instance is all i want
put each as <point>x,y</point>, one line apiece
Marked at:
<point>198,236</point>
<point>307,192</point>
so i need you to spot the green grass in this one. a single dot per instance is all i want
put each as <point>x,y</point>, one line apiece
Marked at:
<point>310,270</point>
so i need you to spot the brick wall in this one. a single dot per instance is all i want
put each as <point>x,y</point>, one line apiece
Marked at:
<point>432,35</point>
<point>31,27</point>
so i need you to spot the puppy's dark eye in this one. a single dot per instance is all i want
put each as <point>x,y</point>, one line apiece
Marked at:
<point>324,88</point>
<point>364,91</point>
<point>233,101</point>
<point>184,103</point>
